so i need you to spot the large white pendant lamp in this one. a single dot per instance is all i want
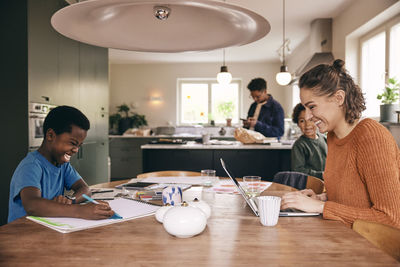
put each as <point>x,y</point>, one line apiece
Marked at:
<point>224,77</point>
<point>164,26</point>
<point>283,77</point>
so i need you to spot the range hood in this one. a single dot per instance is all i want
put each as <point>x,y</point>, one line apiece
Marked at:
<point>315,60</point>
<point>318,47</point>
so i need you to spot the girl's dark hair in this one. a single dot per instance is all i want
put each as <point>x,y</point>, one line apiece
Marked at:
<point>296,112</point>
<point>326,80</point>
<point>61,119</point>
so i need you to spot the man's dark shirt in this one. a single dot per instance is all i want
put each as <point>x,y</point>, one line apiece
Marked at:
<point>270,120</point>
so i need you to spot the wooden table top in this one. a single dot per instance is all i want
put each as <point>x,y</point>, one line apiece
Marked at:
<point>233,237</point>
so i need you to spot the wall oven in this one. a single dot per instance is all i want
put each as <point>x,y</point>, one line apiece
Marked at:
<point>37,114</point>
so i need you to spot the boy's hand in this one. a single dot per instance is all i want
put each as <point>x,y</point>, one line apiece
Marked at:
<point>62,200</point>
<point>96,211</point>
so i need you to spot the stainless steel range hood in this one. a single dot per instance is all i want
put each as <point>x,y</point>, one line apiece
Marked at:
<point>316,59</point>
<point>318,47</point>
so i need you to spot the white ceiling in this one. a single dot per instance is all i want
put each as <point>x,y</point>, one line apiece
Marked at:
<point>299,14</point>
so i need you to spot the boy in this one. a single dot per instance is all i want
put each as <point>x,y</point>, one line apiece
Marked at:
<point>309,151</point>
<point>38,183</point>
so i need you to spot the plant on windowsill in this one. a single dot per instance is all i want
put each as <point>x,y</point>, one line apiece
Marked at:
<point>389,99</point>
<point>226,109</point>
<point>124,119</point>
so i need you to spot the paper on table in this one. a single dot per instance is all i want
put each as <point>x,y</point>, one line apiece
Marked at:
<point>128,209</point>
<point>193,180</point>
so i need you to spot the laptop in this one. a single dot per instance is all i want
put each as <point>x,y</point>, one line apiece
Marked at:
<point>252,203</point>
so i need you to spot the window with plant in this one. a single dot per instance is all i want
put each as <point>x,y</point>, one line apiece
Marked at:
<point>203,101</point>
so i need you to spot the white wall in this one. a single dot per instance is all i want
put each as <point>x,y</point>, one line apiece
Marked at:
<point>354,17</point>
<point>133,84</point>
<point>347,27</point>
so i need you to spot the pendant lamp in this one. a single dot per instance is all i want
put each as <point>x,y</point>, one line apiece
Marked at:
<point>283,77</point>
<point>224,77</point>
<point>164,26</point>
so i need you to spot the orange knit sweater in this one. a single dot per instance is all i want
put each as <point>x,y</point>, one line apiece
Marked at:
<point>362,176</point>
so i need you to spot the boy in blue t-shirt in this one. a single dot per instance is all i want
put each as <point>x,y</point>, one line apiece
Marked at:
<point>38,183</point>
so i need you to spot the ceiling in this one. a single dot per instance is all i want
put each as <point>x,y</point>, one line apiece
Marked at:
<point>299,15</point>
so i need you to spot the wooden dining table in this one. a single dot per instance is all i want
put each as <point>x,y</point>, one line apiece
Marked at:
<point>234,236</point>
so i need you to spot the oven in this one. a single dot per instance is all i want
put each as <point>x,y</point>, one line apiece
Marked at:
<point>37,114</point>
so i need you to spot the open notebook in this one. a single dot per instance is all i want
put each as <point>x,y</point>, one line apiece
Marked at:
<point>128,209</point>
<point>252,202</point>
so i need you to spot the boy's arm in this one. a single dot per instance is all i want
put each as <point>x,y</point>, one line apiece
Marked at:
<point>80,187</point>
<point>35,205</point>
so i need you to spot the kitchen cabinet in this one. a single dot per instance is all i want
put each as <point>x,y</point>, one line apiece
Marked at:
<point>242,160</point>
<point>127,158</point>
<point>65,72</point>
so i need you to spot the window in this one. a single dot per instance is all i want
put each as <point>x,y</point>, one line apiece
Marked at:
<point>380,56</point>
<point>200,101</point>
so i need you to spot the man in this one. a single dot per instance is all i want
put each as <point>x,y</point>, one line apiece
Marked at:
<point>265,114</point>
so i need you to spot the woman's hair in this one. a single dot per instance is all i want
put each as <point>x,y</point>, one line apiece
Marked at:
<point>296,112</point>
<point>326,80</point>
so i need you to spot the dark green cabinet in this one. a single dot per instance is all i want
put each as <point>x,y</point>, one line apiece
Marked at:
<point>260,162</point>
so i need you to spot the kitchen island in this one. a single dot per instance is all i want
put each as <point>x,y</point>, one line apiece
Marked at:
<point>263,160</point>
<point>126,155</point>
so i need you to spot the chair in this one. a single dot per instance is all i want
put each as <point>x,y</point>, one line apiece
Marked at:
<point>300,181</point>
<point>382,236</point>
<point>168,173</point>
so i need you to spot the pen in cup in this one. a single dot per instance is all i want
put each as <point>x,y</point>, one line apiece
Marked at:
<point>115,216</point>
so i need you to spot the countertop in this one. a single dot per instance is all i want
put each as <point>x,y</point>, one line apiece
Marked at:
<point>235,145</point>
<point>168,136</point>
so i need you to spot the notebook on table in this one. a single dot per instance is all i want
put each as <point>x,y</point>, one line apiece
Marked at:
<point>251,202</point>
<point>129,209</point>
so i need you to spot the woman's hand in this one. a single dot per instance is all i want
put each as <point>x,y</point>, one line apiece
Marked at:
<point>93,211</point>
<point>301,201</point>
<point>62,200</point>
<point>311,193</point>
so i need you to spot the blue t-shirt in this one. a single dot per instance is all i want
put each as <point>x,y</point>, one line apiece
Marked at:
<point>35,170</point>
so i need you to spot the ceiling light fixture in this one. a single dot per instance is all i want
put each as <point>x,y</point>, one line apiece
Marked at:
<point>224,77</point>
<point>283,77</point>
<point>180,25</point>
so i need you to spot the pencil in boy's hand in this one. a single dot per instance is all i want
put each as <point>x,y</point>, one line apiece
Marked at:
<point>115,216</point>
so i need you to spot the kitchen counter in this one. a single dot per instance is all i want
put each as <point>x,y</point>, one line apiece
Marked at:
<point>258,159</point>
<point>189,136</point>
<point>234,145</point>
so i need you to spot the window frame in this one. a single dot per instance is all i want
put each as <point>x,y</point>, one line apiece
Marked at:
<point>209,82</point>
<point>386,28</point>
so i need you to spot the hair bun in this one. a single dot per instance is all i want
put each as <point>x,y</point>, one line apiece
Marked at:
<point>338,64</point>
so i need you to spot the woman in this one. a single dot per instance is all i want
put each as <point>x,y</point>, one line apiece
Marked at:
<point>362,167</point>
<point>309,151</point>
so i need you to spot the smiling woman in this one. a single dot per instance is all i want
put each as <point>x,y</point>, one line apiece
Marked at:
<point>362,173</point>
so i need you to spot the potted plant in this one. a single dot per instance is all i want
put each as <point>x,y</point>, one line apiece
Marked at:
<point>124,120</point>
<point>389,98</point>
<point>226,109</point>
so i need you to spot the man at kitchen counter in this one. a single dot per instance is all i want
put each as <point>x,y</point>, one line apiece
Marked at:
<point>265,114</point>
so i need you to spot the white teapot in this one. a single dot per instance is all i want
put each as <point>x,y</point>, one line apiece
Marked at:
<point>161,212</point>
<point>184,221</point>
<point>201,205</point>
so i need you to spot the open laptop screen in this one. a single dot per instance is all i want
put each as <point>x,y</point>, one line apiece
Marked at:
<point>249,201</point>
<point>252,203</point>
